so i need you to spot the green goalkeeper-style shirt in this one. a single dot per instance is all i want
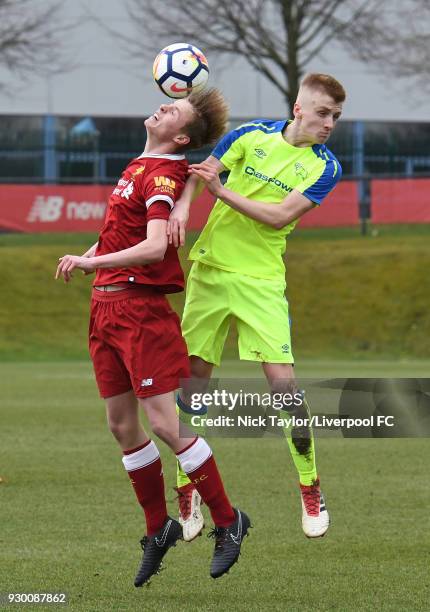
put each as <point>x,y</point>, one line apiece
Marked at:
<point>264,167</point>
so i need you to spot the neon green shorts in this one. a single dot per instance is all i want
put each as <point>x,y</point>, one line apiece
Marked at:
<point>215,296</point>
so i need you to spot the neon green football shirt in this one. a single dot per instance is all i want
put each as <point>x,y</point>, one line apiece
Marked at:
<point>264,167</point>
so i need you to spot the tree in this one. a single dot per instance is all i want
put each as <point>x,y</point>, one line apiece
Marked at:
<point>396,42</point>
<point>279,38</point>
<point>30,40</point>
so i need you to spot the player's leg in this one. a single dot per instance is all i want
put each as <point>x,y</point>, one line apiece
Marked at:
<point>315,518</point>
<point>123,328</point>
<point>115,387</point>
<point>189,500</point>
<point>205,326</point>
<point>197,460</point>
<point>141,458</point>
<point>264,335</point>
<point>142,462</point>
<point>281,379</point>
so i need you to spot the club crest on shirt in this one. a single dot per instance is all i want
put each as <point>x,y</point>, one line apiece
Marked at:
<point>301,170</point>
<point>140,170</point>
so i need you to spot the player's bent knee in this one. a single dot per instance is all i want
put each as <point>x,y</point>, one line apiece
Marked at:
<point>169,435</point>
<point>121,430</point>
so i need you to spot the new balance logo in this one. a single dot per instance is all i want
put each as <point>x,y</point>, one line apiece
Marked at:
<point>237,539</point>
<point>46,209</point>
<point>162,541</point>
<point>146,382</point>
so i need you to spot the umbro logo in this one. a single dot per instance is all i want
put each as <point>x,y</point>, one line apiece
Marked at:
<point>237,539</point>
<point>260,153</point>
<point>162,541</point>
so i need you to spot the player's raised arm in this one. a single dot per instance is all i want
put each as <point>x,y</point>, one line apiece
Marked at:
<point>276,215</point>
<point>305,196</point>
<point>179,216</point>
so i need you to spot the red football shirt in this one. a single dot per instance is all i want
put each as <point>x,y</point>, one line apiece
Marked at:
<point>147,189</point>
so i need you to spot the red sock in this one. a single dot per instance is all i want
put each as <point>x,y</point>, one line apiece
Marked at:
<point>144,468</point>
<point>199,465</point>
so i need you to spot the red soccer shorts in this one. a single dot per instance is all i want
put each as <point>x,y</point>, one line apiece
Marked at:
<point>136,343</point>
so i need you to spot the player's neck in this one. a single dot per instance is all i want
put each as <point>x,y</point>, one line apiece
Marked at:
<point>292,134</point>
<point>159,148</point>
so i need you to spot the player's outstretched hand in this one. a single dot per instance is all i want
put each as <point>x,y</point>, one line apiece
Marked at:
<point>176,224</point>
<point>209,173</point>
<point>69,262</point>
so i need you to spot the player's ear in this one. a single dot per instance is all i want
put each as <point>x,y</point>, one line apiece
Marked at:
<point>297,110</point>
<point>182,140</point>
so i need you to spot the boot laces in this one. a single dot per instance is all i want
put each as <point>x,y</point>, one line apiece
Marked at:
<point>184,499</point>
<point>220,534</point>
<point>311,498</point>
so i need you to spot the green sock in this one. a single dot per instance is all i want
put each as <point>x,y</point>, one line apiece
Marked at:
<point>181,478</point>
<point>303,451</point>
<point>185,415</point>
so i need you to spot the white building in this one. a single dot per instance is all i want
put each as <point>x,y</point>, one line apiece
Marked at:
<point>104,82</point>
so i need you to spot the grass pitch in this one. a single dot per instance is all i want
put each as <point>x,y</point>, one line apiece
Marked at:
<point>70,522</point>
<point>68,517</point>
<point>350,296</point>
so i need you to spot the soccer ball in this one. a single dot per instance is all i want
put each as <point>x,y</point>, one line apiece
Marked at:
<point>180,69</point>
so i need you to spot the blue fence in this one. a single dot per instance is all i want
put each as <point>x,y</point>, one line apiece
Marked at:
<point>52,149</point>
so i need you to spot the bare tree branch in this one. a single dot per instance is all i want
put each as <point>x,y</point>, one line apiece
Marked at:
<point>280,37</point>
<point>31,41</point>
<point>402,47</point>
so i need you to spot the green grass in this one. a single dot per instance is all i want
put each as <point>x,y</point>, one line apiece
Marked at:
<point>351,297</point>
<point>69,520</point>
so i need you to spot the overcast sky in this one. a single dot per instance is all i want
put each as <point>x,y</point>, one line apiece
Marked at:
<point>107,83</point>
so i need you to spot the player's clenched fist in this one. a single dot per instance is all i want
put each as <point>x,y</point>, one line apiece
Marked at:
<point>69,262</point>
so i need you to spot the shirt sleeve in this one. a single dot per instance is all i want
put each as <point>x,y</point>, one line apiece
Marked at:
<point>158,210</point>
<point>230,148</point>
<point>164,184</point>
<point>321,181</point>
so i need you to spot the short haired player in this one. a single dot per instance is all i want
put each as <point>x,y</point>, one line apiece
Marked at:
<point>135,339</point>
<point>279,170</point>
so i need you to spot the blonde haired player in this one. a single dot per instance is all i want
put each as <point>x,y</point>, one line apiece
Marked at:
<point>135,340</point>
<point>279,170</point>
